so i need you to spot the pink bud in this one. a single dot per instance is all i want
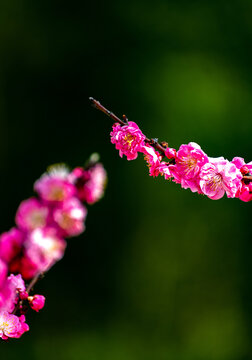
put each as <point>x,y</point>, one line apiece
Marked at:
<point>36,302</point>
<point>170,153</point>
<point>23,295</point>
<point>244,170</point>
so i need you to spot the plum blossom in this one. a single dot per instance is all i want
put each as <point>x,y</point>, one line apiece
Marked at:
<point>10,244</point>
<point>153,159</point>
<point>128,139</point>
<point>7,296</point>
<point>54,187</point>
<point>10,290</point>
<point>189,160</point>
<point>23,326</point>
<point>43,248</point>
<point>70,217</point>
<point>164,170</point>
<point>31,214</point>
<point>26,266</point>
<point>12,326</point>
<point>90,183</point>
<point>17,283</point>
<point>38,241</point>
<point>242,166</point>
<point>245,193</point>
<point>3,272</point>
<point>219,177</point>
<point>189,166</point>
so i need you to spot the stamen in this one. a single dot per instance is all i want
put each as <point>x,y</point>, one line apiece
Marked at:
<point>129,139</point>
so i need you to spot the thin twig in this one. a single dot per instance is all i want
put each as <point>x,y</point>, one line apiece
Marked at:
<point>34,281</point>
<point>97,105</point>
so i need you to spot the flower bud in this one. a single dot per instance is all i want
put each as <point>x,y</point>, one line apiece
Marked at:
<point>170,153</point>
<point>36,302</point>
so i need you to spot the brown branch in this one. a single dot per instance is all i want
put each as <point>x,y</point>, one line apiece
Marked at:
<point>34,281</point>
<point>154,142</point>
<point>97,105</point>
<point>247,179</point>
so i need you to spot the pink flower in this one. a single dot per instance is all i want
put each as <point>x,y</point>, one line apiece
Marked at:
<point>189,161</point>
<point>70,217</point>
<point>12,326</point>
<point>245,193</point>
<point>153,159</point>
<point>239,162</point>
<point>10,290</point>
<point>54,186</point>
<point>218,177</point>
<point>10,244</point>
<point>128,139</point>
<point>31,214</point>
<point>23,326</point>
<point>36,302</point>
<point>17,282</point>
<point>164,170</point>
<point>90,183</point>
<point>43,248</point>
<point>7,297</point>
<point>3,272</point>
<point>26,267</point>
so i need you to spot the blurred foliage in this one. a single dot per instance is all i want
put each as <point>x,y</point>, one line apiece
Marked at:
<point>160,273</point>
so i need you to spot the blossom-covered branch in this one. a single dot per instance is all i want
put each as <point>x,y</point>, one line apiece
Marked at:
<point>38,241</point>
<point>124,122</point>
<point>188,166</point>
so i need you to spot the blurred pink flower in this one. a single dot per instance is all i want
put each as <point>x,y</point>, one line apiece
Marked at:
<point>31,214</point>
<point>53,188</point>
<point>10,244</point>
<point>26,266</point>
<point>90,183</point>
<point>3,272</point>
<point>9,292</point>
<point>42,249</point>
<point>70,217</point>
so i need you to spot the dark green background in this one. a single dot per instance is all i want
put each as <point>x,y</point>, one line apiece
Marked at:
<point>160,273</point>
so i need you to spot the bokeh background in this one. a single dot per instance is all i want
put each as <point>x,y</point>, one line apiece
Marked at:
<point>160,273</point>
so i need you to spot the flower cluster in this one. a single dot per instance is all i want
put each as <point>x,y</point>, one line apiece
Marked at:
<point>189,166</point>
<point>38,240</point>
